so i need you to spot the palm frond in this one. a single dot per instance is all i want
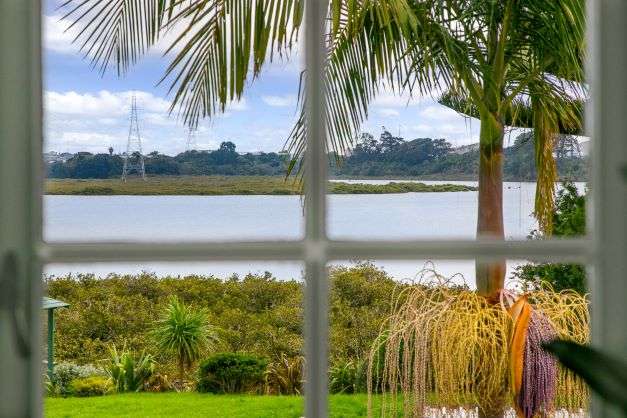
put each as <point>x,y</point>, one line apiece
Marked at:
<point>222,39</point>
<point>117,31</point>
<point>369,48</point>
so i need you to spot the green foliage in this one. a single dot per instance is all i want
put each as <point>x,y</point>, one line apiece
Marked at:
<point>224,161</point>
<point>231,373</point>
<point>255,314</point>
<point>386,156</point>
<point>127,372</point>
<point>345,377</point>
<point>184,332</point>
<point>285,376</point>
<point>159,383</point>
<point>569,214</point>
<point>433,158</point>
<point>605,374</point>
<point>569,219</point>
<point>66,372</point>
<point>90,386</point>
<point>394,187</point>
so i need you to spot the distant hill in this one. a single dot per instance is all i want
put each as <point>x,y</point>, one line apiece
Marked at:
<point>386,156</point>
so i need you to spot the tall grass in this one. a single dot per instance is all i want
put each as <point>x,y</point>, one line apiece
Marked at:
<point>227,185</point>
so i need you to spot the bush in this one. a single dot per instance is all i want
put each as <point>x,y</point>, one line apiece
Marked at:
<point>285,376</point>
<point>344,377</point>
<point>569,219</point>
<point>90,386</point>
<point>66,372</point>
<point>159,383</point>
<point>231,373</point>
<point>129,374</point>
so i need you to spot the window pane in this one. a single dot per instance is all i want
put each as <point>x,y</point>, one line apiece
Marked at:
<point>436,213</point>
<point>246,320</point>
<point>415,334</point>
<point>437,116</point>
<point>214,162</point>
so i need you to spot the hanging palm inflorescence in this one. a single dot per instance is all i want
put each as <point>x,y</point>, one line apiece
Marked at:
<point>445,347</point>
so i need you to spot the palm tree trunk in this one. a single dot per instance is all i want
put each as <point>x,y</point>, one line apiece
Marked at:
<point>181,372</point>
<point>490,276</point>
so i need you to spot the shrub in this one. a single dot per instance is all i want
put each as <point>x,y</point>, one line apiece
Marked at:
<point>344,377</point>
<point>231,373</point>
<point>569,219</point>
<point>129,374</point>
<point>90,386</point>
<point>285,376</point>
<point>159,383</point>
<point>64,373</point>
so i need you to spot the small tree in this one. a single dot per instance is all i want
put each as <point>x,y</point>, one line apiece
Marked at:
<point>569,219</point>
<point>185,332</point>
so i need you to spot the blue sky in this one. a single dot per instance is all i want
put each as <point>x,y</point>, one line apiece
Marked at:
<point>85,111</point>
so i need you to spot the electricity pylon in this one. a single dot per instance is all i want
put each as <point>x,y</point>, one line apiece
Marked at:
<point>134,157</point>
<point>191,140</point>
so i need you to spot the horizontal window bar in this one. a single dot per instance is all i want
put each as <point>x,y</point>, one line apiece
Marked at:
<point>576,250</point>
<point>555,249</point>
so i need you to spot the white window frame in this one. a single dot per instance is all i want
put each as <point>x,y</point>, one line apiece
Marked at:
<point>21,186</point>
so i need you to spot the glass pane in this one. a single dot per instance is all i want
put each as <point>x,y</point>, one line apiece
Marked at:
<point>463,150</point>
<point>212,172</point>
<point>436,213</point>
<point>243,330</point>
<point>415,338</point>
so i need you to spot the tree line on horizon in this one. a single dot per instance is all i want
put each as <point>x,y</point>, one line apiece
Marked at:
<point>388,155</point>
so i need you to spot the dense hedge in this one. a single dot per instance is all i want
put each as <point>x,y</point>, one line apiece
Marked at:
<point>231,373</point>
<point>258,314</point>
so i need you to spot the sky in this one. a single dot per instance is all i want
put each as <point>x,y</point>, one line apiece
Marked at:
<point>87,111</point>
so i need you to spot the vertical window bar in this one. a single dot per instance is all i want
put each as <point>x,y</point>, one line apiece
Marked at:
<point>20,225</point>
<point>316,329</point>
<point>608,79</point>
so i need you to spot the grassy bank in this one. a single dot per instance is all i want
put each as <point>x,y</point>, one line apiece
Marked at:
<point>197,405</point>
<point>227,185</point>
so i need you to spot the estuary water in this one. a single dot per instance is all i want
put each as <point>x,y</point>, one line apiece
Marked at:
<point>227,218</point>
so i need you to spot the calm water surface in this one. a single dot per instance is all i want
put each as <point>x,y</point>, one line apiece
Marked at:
<point>228,218</point>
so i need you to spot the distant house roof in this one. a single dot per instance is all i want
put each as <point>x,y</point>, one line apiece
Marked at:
<point>49,303</point>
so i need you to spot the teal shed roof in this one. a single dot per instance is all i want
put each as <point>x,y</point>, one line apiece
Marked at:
<point>49,303</point>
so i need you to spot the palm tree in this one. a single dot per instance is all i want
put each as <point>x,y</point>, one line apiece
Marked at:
<point>184,332</point>
<point>509,63</point>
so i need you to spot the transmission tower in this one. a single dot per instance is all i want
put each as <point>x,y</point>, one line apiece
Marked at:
<point>134,158</point>
<point>191,139</point>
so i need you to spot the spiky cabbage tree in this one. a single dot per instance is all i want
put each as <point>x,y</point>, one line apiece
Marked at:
<point>184,332</point>
<point>508,63</point>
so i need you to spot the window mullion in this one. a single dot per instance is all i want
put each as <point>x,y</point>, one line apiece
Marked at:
<point>316,285</point>
<point>20,213</point>
<point>607,69</point>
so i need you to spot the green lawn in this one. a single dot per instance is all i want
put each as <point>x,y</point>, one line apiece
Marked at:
<point>197,405</point>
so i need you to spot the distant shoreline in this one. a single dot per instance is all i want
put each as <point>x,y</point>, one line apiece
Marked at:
<point>227,186</point>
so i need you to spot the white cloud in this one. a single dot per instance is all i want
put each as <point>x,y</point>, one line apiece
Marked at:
<point>387,112</point>
<point>388,99</point>
<point>287,100</point>
<point>237,105</point>
<point>93,121</point>
<point>55,37</point>
<point>102,104</point>
<point>440,113</point>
